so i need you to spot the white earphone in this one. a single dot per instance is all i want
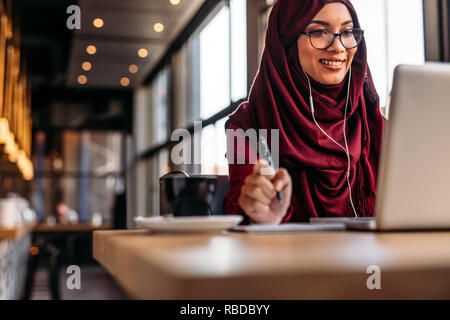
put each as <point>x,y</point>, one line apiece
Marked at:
<point>311,103</point>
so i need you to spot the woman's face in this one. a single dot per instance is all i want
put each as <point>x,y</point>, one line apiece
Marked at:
<point>336,18</point>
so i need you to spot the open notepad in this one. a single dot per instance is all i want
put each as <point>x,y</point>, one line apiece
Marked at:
<point>289,227</point>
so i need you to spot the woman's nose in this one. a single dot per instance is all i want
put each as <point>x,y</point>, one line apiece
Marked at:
<point>337,45</point>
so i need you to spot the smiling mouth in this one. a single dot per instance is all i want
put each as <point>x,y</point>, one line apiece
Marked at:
<point>335,63</point>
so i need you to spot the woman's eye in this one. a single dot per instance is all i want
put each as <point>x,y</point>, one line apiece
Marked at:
<point>319,33</point>
<point>347,33</point>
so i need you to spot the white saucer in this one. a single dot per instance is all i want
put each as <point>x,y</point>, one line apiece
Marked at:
<point>193,224</point>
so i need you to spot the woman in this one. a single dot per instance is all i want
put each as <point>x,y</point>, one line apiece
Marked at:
<point>324,172</point>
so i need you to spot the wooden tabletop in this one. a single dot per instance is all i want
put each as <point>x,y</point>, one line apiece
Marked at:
<point>81,227</point>
<point>16,232</point>
<point>413,265</point>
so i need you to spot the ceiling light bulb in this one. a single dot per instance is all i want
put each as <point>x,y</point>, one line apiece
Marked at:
<point>82,79</point>
<point>91,49</point>
<point>86,66</point>
<point>175,2</point>
<point>133,68</point>
<point>158,27</point>
<point>124,81</point>
<point>98,23</point>
<point>142,53</point>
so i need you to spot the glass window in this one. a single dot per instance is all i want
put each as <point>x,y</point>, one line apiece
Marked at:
<point>238,49</point>
<point>391,41</point>
<point>223,78</point>
<point>83,178</point>
<point>215,65</point>
<point>160,96</point>
<point>149,171</point>
<point>214,83</point>
<point>161,117</point>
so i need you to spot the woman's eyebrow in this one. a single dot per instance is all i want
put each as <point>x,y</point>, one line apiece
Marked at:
<point>324,23</point>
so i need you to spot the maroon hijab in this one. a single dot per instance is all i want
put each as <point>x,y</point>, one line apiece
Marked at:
<point>279,99</point>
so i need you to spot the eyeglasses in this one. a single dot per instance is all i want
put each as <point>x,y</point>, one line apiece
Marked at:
<point>323,39</point>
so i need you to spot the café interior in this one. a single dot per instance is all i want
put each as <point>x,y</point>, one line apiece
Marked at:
<point>91,92</point>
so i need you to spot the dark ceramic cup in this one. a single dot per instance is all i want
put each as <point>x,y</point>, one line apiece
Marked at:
<point>187,196</point>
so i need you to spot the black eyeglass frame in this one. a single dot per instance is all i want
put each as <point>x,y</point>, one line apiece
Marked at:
<point>308,33</point>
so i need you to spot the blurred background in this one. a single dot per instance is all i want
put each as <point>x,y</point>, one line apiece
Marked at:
<point>91,90</point>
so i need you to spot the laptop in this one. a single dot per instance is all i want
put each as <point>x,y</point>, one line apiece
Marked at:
<point>413,190</point>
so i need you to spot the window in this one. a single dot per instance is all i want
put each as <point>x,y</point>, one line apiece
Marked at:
<point>158,165</point>
<point>214,65</point>
<point>238,49</point>
<point>391,40</point>
<point>160,96</point>
<point>84,175</point>
<point>151,121</point>
<point>223,78</point>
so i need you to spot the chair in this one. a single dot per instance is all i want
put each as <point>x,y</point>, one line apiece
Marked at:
<point>51,253</point>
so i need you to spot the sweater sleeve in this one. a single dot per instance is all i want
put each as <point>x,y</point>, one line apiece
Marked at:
<point>237,172</point>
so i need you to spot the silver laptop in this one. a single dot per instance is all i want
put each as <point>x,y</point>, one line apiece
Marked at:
<point>413,189</point>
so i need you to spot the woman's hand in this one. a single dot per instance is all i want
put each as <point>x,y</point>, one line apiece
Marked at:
<point>259,194</point>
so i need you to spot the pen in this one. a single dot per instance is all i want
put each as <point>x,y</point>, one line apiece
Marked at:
<point>265,154</point>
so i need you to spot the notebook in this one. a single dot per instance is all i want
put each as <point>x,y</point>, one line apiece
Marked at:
<point>289,227</point>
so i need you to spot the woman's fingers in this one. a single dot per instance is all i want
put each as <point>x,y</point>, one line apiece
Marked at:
<point>256,193</point>
<point>264,183</point>
<point>282,179</point>
<point>252,206</point>
<point>258,212</point>
<point>259,192</point>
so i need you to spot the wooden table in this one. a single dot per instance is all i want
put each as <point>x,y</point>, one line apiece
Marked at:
<point>50,240</point>
<point>67,232</point>
<point>58,228</point>
<point>414,265</point>
<point>16,232</point>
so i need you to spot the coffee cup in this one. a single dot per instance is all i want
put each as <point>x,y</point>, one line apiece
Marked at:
<point>187,195</point>
<point>9,215</point>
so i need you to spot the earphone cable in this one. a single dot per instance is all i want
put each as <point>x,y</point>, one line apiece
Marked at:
<point>344,129</point>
